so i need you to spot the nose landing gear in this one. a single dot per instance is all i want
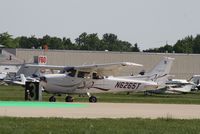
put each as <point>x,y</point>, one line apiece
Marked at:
<point>92,99</point>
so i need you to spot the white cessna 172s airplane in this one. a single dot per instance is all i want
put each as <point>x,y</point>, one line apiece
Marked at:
<point>94,78</point>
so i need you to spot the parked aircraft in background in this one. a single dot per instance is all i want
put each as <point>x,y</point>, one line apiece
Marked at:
<point>179,85</point>
<point>21,80</point>
<point>182,85</point>
<point>3,75</point>
<point>196,80</point>
<point>11,73</point>
<point>23,75</point>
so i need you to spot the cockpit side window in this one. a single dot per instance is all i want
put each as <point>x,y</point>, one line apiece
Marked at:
<point>72,72</point>
<point>69,71</point>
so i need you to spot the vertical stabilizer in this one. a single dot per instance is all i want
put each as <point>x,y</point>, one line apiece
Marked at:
<point>160,72</point>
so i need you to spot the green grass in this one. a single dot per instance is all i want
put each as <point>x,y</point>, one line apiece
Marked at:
<point>16,93</point>
<point>9,125</point>
<point>97,126</point>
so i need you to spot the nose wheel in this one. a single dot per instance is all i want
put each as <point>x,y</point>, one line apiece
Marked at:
<point>52,99</point>
<point>92,99</point>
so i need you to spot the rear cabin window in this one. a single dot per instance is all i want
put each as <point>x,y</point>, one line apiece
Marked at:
<point>95,76</point>
<point>82,74</point>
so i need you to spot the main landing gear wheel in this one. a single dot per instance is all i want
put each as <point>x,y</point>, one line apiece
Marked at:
<point>92,99</point>
<point>52,99</point>
<point>69,99</point>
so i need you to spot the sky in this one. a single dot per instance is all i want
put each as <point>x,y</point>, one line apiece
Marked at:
<point>150,23</point>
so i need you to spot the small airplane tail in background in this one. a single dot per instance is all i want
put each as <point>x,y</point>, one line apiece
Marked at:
<point>28,71</point>
<point>160,72</point>
<point>23,79</point>
<point>17,81</point>
<point>196,80</point>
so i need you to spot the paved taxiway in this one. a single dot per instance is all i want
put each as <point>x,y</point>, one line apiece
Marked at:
<point>108,110</point>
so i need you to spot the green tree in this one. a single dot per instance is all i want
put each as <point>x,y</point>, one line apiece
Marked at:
<point>92,42</point>
<point>196,44</point>
<point>55,43</point>
<point>7,40</point>
<point>135,48</point>
<point>67,44</point>
<point>45,40</point>
<point>81,41</point>
<point>184,45</point>
<point>88,41</point>
<point>28,42</point>
<point>109,41</point>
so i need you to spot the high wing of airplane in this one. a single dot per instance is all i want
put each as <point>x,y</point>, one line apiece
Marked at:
<point>101,69</point>
<point>93,78</point>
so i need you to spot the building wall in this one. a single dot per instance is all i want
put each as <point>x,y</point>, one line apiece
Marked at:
<point>185,65</point>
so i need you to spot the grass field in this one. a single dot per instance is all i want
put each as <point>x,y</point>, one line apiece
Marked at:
<point>97,126</point>
<point>9,125</point>
<point>13,93</point>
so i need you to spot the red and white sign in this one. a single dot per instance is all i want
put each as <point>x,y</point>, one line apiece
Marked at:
<point>42,59</point>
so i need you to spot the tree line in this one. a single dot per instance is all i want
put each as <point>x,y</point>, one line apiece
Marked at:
<point>92,42</point>
<point>188,44</point>
<point>85,41</point>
